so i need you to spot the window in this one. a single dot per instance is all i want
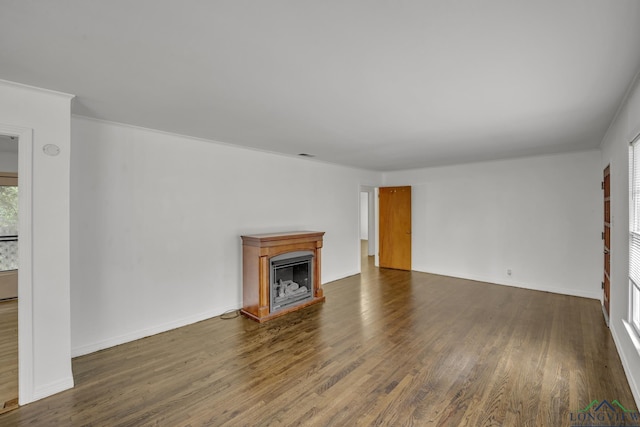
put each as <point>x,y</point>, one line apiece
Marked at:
<point>634,234</point>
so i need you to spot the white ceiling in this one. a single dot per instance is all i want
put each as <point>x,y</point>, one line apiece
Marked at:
<point>381,85</point>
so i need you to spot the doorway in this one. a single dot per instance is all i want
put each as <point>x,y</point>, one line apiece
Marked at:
<point>364,223</point>
<point>367,247</point>
<point>8,273</point>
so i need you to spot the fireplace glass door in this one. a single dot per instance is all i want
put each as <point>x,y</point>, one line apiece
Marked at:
<point>291,280</point>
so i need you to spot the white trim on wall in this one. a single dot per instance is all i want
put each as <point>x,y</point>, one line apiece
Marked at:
<point>25,260</point>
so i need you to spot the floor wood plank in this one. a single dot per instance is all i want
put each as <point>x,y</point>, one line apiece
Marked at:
<point>388,347</point>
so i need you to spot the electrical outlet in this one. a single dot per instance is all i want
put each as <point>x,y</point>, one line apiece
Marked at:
<point>508,272</point>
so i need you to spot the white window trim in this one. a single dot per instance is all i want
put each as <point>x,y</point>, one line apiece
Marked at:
<point>632,323</point>
<point>635,338</point>
<point>634,318</point>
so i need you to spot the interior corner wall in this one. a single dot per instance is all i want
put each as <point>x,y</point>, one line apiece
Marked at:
<point>615,152</point>
<point>48,115</point>
<point>539,217</point>
<point>157,220</point>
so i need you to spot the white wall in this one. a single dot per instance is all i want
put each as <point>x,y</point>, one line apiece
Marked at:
<point>540,217</point>
<point>364,216</point>
<point>8,161</point>
<point>46,367</point>
<point>615,152</point>
<point>157,219</point>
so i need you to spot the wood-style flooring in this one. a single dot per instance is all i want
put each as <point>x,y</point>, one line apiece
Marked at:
<point>388,348</point>
<point>8,354</point>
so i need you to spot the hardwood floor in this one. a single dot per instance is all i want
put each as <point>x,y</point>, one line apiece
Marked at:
<point>8,354</point>
<point>388,347</point>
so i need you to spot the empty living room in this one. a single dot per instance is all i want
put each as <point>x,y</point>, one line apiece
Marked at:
<point>336,213</point>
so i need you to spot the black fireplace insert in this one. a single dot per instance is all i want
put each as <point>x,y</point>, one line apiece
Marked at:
<point>291,279</point>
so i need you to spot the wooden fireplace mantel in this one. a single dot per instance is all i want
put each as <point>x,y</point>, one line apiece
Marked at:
<point>257,251</point>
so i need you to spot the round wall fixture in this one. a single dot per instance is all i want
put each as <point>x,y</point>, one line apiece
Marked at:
<point>51,150</point>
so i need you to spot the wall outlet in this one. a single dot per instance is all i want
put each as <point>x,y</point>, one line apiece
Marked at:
<point>508,272</point>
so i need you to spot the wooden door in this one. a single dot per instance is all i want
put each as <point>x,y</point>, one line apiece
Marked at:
<point>606,237</point>
<point>395,227</point>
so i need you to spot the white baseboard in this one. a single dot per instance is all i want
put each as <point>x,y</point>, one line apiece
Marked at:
<point>633,385</point>
<point>50,389</point>
<point>335,277</point>
<point>147,332</point>
<point>515,284</point>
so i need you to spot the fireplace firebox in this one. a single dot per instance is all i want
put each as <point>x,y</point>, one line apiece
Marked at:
<point>291,279</point>
<point>280,273</point>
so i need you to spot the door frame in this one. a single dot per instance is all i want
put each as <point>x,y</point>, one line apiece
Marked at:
<point>606,299</point>
<point>372,218</point>
<point>25,259</point>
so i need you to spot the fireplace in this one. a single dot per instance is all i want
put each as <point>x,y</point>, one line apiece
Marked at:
<point>291,281</point>
<point>280,273</point>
